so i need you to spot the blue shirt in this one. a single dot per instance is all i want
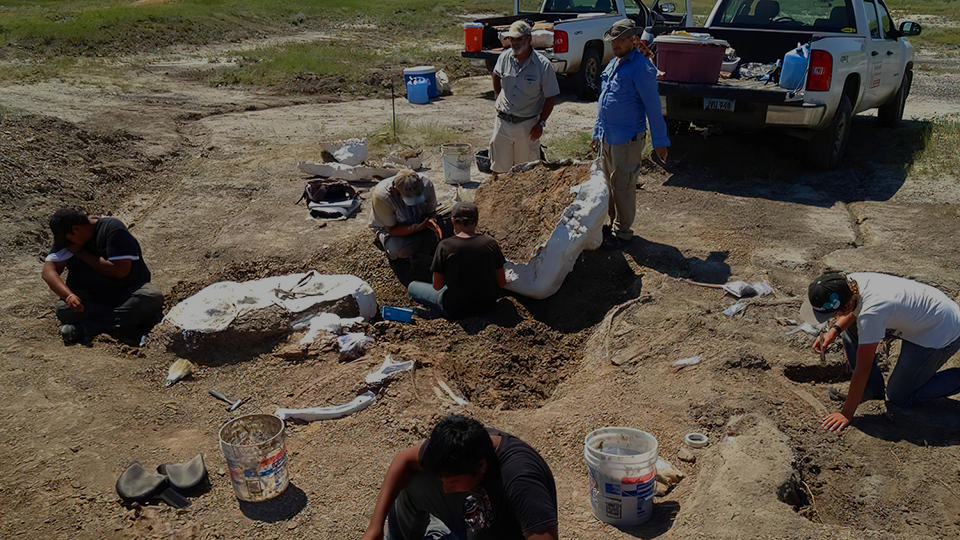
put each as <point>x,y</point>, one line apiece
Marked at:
<point>628,96</point>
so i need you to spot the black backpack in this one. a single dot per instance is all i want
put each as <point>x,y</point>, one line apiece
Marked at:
<point>327,190</point>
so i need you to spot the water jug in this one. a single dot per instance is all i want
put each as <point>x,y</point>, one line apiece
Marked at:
<point>418,90</point>
<point>794,67</point>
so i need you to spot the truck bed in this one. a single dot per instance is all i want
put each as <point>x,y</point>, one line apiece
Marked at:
<point>736,89</point>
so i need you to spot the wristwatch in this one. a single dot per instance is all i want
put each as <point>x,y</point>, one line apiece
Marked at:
<point>543,123</point>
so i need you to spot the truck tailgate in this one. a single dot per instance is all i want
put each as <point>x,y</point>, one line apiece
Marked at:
<point>736,89</point>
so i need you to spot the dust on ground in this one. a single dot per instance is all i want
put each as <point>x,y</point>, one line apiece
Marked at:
<point>521,209</point>
<point>219,205</point>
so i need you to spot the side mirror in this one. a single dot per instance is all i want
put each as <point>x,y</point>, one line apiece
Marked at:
<point>910,28</point>
<point>667,8</point>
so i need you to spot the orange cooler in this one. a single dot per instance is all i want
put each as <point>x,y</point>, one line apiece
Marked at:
<point>473,37</point>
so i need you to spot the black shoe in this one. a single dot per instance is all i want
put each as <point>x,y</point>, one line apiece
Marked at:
<point>836,394</point>
<point>71,333</point>
<point>612,243</point>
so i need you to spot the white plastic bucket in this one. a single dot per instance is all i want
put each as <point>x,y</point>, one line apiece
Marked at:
<point>622,463</point>
<point>457,160</point>
<point>256,455</point>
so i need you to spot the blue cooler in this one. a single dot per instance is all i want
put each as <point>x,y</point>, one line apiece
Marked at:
<point>427,72</point>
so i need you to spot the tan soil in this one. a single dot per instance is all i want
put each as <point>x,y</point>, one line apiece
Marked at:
<point>220,206</point>
<point>520,210</point>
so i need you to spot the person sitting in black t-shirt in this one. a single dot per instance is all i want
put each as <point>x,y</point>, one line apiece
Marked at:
<point>467,270</point>
<point>480,483</point>
<point>108,285</point>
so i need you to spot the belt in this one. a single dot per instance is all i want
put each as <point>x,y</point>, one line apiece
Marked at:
<point>514,119</point>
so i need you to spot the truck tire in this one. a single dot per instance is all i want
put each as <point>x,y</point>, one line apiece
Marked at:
<point>589,75</point>
<point>828,146</point>
<point>890,113</point>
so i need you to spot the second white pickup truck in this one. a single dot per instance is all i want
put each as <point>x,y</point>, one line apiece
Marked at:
<point>574,29</point>
<point>858,60</point>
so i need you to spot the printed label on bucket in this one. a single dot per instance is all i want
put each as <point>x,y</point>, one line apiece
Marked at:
<point>614,509</point>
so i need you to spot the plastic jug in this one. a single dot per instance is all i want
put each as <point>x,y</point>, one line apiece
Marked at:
<point>794,67</point>
<point>418,90</point>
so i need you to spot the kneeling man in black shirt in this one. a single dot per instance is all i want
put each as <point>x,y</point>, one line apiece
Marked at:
<point>482,484</point>
<point>467,270</point>
<point>108,287</point>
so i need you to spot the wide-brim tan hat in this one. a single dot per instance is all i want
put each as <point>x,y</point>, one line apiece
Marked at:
<point>518,29</point>
<point>621,28</point>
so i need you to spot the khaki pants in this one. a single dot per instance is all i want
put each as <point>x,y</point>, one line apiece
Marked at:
<point>621,166</point>
<point>511,144</point>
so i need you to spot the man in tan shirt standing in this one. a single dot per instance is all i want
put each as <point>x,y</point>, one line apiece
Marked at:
<point>525,86</point>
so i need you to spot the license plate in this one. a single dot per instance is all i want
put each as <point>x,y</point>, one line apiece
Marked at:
<point>714,104</point>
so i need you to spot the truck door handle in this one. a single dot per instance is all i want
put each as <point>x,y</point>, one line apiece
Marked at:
<point>874,53</point>
<point>889,53</point>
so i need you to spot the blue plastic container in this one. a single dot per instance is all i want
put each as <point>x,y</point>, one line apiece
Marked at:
<point>794,67</point>
<point>401,314</point>
<point>427,72</point>
<point>417,91</point>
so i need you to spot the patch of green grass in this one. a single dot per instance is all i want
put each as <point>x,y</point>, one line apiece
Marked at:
<point>941,149</point>
<point>568,145</point>
<point>110,27</point>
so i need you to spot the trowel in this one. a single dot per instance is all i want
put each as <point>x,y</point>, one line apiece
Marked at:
<point>231,405</point>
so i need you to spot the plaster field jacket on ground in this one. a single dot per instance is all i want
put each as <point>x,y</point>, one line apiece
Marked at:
<point>628,92</point>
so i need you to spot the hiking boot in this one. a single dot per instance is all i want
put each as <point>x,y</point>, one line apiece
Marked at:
<point>835,394</point>
<point>612,243</point>
<point>71,333</point>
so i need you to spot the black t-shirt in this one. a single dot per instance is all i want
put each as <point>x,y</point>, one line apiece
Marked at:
<point>469,267</point>
<point>517,496</point>
<point>112,241</point>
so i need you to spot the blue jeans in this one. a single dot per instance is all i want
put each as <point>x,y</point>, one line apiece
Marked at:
<point>424,293</point>
<point>915,378</point>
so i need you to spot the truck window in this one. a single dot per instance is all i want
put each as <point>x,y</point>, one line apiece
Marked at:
<point>579,6</point>
<point>886,21</point>
<point>871,12</point>
<point>819,15</point>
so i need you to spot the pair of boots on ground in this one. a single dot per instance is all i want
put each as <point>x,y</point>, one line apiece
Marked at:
<point>170,484</point>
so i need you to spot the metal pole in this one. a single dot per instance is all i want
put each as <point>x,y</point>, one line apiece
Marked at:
<point>393,103</point>
<point>690,13</point>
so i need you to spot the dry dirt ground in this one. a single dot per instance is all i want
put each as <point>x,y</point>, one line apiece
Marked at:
<point>206,179</point>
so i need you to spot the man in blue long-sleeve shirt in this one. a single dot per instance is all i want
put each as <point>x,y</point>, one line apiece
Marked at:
<point>628,97</point>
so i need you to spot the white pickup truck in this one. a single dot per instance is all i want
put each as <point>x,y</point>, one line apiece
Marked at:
<point>577,47</point>
<point>858,61</point>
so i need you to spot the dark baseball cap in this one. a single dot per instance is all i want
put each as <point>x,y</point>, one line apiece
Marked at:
<point>824,297</point>
<point>62,223</point>
<point>465,211</point>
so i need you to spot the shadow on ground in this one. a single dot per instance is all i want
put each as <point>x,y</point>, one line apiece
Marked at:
<point>935,423</point>
<point>602,280</point>
<point>285,506</point>
<point>664,514</point>
<point>775,166</point>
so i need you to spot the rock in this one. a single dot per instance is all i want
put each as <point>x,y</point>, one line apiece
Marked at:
<point>293,352</point>
<point>221,472</point>
<point>684,454</point>
<point>660,489</point>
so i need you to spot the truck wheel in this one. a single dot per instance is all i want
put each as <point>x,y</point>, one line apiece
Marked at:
<point>828,146</point>
<point>890,113</point>
<point>589,75</point>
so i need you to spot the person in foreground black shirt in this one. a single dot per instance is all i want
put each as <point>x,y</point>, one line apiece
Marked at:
<point>108,287</point>
<point>482,484</point>
<point>467,270</point>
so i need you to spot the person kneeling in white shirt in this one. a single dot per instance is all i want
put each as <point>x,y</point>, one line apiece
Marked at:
<point>866,307</point>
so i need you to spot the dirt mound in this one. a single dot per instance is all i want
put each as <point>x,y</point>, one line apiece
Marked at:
<point>520,210</point>
<point>506,359</point>
<point>46,163</point>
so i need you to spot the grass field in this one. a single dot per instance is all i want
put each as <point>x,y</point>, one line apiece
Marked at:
<point>40,39</point>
